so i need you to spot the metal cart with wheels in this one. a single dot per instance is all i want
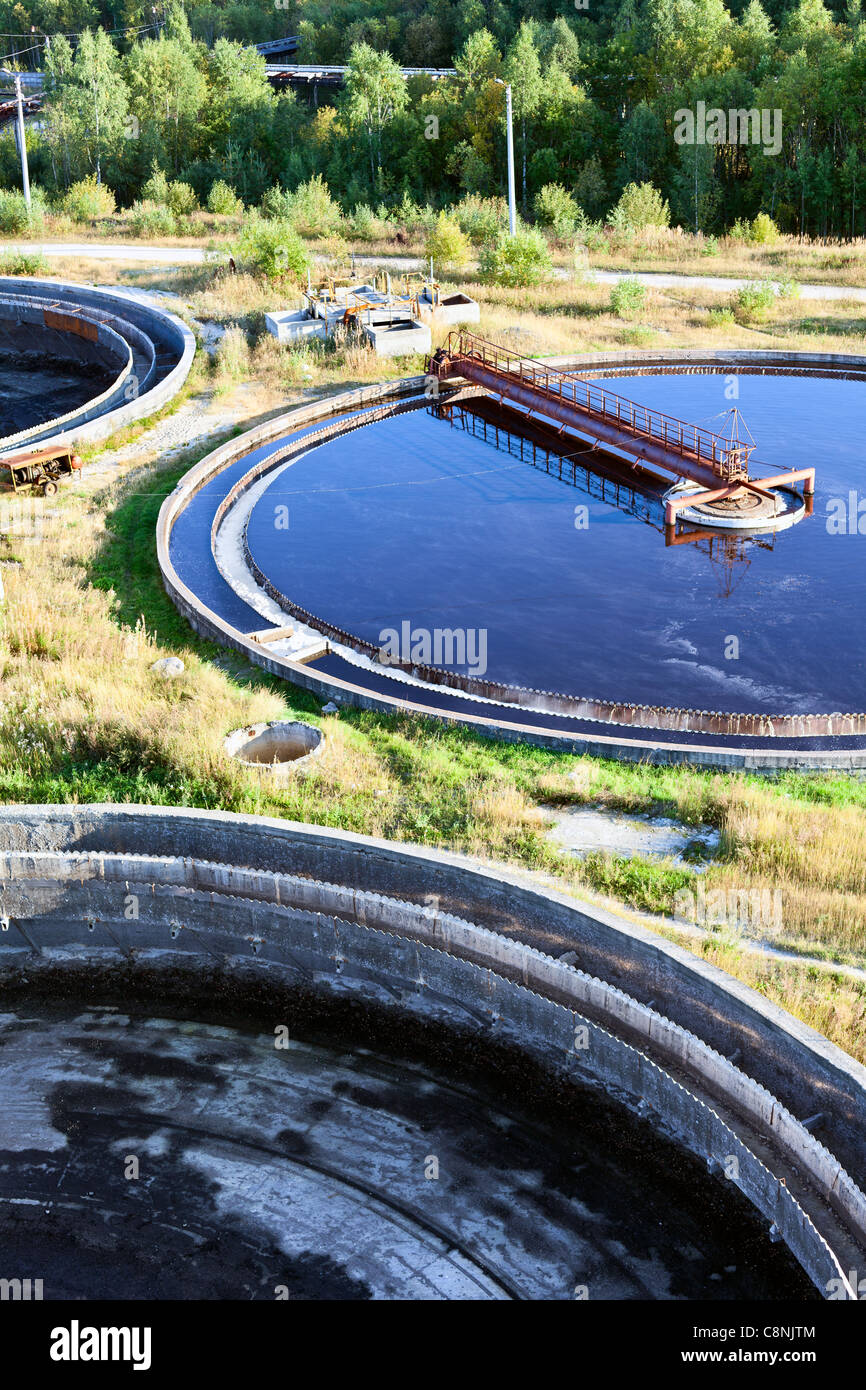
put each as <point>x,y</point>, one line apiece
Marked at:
<point>41,469</point>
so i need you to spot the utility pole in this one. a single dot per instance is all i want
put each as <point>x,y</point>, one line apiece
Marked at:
<point>509,130</point>
<point>22,144</point>
<point>512,201</point>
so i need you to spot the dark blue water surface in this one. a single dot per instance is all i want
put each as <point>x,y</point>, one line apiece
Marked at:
<point>191,540</point>
<point>414,519</point>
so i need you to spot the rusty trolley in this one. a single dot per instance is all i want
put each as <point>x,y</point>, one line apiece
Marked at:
<point>42,469</point>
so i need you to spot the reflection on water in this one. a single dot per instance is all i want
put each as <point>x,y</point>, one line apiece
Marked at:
<point>425,520</point>
<point>599,474</point>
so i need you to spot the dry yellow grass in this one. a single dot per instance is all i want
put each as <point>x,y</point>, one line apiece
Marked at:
<point>832,1004</point>
<point>674,251</point>
<point>73,676</point>
<point>814,854</point>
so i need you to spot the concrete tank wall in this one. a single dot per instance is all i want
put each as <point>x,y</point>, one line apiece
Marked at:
<point>66,875</point>
<point>807,1072</point>
<point>159,346</point>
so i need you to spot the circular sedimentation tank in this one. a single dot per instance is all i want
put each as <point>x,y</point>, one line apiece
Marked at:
<point>458,558</point>
<point>290,1061</point>
<point>78,362</point>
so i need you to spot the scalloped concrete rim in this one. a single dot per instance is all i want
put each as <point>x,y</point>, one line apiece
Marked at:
<point>210,625</point>
<point>622,952</point>
<point>62,293</point>
<point>537,999</point>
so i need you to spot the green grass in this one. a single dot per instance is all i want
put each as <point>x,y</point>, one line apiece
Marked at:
<point>126,563</point>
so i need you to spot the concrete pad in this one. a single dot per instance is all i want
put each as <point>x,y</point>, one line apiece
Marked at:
<point>583,830</point>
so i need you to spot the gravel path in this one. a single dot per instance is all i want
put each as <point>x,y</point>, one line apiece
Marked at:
<point>110,251</point>
<point>197,421</point>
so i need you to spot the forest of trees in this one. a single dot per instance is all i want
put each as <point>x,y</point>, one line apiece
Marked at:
<point>131,86</point>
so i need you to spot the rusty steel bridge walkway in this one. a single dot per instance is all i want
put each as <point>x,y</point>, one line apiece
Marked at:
<point>720,465</point>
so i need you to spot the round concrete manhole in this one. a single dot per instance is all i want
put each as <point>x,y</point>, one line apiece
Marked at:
<point>277,749</point>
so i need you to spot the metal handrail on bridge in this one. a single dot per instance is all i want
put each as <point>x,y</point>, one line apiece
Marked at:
<point>728,459</point>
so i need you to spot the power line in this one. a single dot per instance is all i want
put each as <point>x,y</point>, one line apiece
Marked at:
<point>44,43</point>
<point>20,53</point>
<point>131,29</point>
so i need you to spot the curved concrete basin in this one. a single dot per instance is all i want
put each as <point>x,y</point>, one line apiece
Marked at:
<point>144,351</point>
<point>143,904</point>
<point>832,742</point>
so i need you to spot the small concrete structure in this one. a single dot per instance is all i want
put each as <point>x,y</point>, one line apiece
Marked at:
<point>327,304</point>
<point>387,327</point>
<point>277,749</point>
<point>398,337</point>
<point>391,319</point>
<point>295,326</point>
<point>451,308</point>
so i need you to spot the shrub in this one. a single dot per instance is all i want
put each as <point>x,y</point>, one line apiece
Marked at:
<point>364,225</point>
<point>409,214</point>
<point>555,208</point>
<point>223,200</point>
<point>763,230</point>
<point>23,263</point>
<point>590,234</point>
<point>39,204</point>
<point>720,318</point>
<point>181,198</point>
<point>15,216</point>
<point>640,206</point>
<point>710,246</point>
<point>756,299</point>
<point>312,209</point>
<point>152,219</point>
<point>389,226</point>
<point>425,219</point>
<point>335,250</point>
<point>482,219</point>
<point>522,259</point>
<point>232,357</point>
<point>627,298</point>
<point>88,200</point>
<point>741,230</point>
<point>788,289</point>
<point>448,246</point>
<point>186,226</point>
<point>276,204</point>
<point>271,247</point>
<point>156,188</point>
<point>637,336</point>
